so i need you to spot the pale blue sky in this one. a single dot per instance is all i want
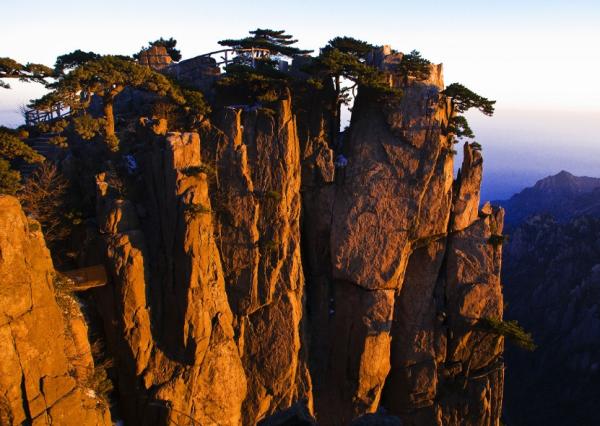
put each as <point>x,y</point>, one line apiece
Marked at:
<point>538,59</point>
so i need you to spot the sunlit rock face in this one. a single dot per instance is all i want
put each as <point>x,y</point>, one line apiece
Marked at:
<point>399,270</point>
<point>46,360</point>
<point>250,280</point>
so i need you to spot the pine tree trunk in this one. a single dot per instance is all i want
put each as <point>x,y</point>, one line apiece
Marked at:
<point>109,126</point>
<point>337,120</point>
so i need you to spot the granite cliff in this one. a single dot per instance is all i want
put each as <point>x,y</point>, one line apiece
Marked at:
<point>251,280</point>
<point>46,365</point>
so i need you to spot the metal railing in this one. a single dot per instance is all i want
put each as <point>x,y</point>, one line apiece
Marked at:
<point>229,55</point>
<point>34,116</point>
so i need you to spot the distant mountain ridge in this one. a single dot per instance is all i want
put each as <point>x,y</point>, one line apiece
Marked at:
<point>551,277</point>
<point>563,196</point>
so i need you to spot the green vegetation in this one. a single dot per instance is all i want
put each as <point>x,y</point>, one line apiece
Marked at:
<point>69,61</point>
<point>476,146</point>
<point>196,170</point>
<point>459,127</point>
<point>12,147</point>
<point>87,126</point>
<point>413,65</point>
<point>497,240</point>
<point>345,59</point>
<point>247,85</point>
<point>106,78</point>
<point>511,330</point>
<point>254,77</point>
<point>273,195</point>
<point>462,100</point>
<point>277,42</point>
<point>9,68</point>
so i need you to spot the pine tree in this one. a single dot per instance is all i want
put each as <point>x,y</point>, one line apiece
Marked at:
<point>344,58</point>
<point>462,100</point>
<point>9,68</point>
<point>413,65</point>
<point>12,147</point>
<point>74,59</point>
<point>275,41</point>
<point>106,77</point>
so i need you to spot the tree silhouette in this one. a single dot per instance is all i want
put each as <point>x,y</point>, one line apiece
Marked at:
<point>74,59</point>
<point>277,42</point>
<point>106,77</point>
<point>345,58</point>
<point>462,100</point>
<point>9,68</point>
<point>13,147</point>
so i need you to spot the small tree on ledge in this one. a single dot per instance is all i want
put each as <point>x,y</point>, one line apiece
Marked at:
<point>9,68</point>
<point>511,330</point>
<point>462,100</point>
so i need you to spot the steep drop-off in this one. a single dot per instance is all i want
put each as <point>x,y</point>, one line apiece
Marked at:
<point>552,285</point>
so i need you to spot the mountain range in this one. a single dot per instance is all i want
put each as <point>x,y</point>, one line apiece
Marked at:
<point>551,281</point>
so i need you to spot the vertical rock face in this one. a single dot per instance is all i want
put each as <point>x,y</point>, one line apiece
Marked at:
<point>360,234</point>
<point>399,270</point>
<point>45,354</point>
<point>256,196</point>
<point>207,311</point>
<point>177,356</point>
<point>207,292</point>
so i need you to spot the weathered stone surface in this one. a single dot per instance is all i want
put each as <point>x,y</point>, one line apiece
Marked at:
<point>257,194</point>
<point>200,72</point>
<point>156,57</point>
<point>360,233</point>
<point>206,311</point>
<point>44,355</point>
<point>418,340</point>
<point>167,304</point>
<point>382,248</point>
<point>393,156</point>
<point>468,183</point>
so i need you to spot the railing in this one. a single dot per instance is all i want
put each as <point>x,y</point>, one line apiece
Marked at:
<point>34,116</point>
<point>255,53</point>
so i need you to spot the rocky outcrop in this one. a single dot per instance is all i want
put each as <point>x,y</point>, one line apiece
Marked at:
<point>399,270</point>
<point>208,312</point>
<point>45,361</point>
<point>207,284</point>
<point>167,304</point>
<point>155,57</point>
<point>256,194</point>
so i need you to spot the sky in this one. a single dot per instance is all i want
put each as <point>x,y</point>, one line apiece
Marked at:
<point>539,59</point>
